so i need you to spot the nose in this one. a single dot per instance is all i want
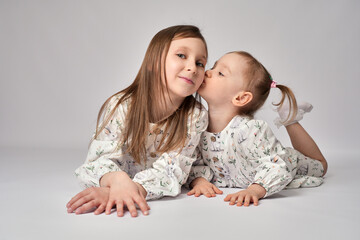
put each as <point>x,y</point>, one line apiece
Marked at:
<point>208,73</point>
<point>191,67</point>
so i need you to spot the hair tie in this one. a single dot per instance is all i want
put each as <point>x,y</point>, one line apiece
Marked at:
<point>273,84</point>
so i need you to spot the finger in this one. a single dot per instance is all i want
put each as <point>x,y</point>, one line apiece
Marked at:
<point>86,207</point>
<point>81,201</point>
<point>228,197</point>
<point>216,190</point>
<point>232,200</point>
<point>144,207</point>
<point>191,192</point>
<point>211,192</point>
<point>120,208</point>
<point>109,206</point>
<point>208,195</point>
<point>197,193</point>
<point>256,201</point>
<point>131,207</point>
<point>240,201</point>
<point>247,200</point>
<point>77,197</point>
<point>100,209</point>
<point>206,192</point>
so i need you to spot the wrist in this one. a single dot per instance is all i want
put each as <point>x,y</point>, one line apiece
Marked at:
<point>112,178</point>
<point>196,181</point>
<point>141,189</point>
<point>259,190</point>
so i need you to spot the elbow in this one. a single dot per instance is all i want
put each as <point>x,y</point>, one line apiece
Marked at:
<point>325,166</point>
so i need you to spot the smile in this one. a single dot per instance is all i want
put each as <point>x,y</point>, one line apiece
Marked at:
<point>188,80</point>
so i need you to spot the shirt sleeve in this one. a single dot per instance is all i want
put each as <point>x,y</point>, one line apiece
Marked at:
<point>171,170</point>
<point>103,149</point>
<point>199,169</point>
<point>273,171</point>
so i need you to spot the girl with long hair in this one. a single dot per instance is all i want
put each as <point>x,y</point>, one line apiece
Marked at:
<point>146,134</point>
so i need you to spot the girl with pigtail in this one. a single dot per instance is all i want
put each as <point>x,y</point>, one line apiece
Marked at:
<point>247,154</point>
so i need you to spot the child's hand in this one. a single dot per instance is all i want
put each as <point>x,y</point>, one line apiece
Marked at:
<point>252,194</point>
<point>202,186</point>
<point>94,197</point>
<point>125,192</point>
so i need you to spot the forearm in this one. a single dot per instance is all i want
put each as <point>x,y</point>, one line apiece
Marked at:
<point>303,142</point>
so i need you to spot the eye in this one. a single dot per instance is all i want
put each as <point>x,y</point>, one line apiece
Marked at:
<point>180,55</point>
<point>200,64</point>
<point>221,74</point>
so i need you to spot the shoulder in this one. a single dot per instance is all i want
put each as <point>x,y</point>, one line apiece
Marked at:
<point>259,129</point>
<point>200,111</point>
<point>113,102</point>
<point>114,109</point>
<point>256,124</point>
<point>250,128</point>
<point>198,118</point>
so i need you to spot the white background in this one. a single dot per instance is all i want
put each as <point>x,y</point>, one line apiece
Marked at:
<point>60,60</point>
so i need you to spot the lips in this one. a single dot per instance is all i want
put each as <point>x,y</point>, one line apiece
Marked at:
<point>188,80</point>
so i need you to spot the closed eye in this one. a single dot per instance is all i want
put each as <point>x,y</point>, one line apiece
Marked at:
<point>221,74</point>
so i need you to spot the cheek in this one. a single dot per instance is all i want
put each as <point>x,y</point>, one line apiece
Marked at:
<point>200,77</point>
<point>200,80</point>
<point>172,68</point>
<point>201,74</point>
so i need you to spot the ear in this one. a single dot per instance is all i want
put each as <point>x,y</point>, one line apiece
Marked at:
<point>242,98</point>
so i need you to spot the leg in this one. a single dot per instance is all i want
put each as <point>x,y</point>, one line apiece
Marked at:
<point>304,143</point>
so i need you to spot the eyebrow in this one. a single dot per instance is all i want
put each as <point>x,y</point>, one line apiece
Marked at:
<point>188,49</point>
<point>224,66</point>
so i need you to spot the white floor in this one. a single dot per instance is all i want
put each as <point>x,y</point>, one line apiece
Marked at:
<point>36,184</point>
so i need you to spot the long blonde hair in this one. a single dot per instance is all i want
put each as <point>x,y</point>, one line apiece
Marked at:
<point>145,94</point>
<point>258,82</point>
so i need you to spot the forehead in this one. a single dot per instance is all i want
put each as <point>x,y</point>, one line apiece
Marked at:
<point>235,62</point>
<point>196,45</point>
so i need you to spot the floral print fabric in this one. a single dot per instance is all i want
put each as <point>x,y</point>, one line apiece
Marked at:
<point>247,152</point>
<point>161,174</point>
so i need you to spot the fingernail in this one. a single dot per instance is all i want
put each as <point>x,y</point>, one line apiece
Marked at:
<point>146,212</point>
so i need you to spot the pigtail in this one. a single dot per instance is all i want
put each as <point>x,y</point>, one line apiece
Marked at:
<point>289,94</point>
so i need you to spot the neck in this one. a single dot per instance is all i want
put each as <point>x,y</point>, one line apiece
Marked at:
<point>165,110</point>
<point>219,118</point>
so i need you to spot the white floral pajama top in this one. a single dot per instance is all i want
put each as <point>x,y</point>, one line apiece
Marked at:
<point>161,174</point>
<point>247,152</point>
